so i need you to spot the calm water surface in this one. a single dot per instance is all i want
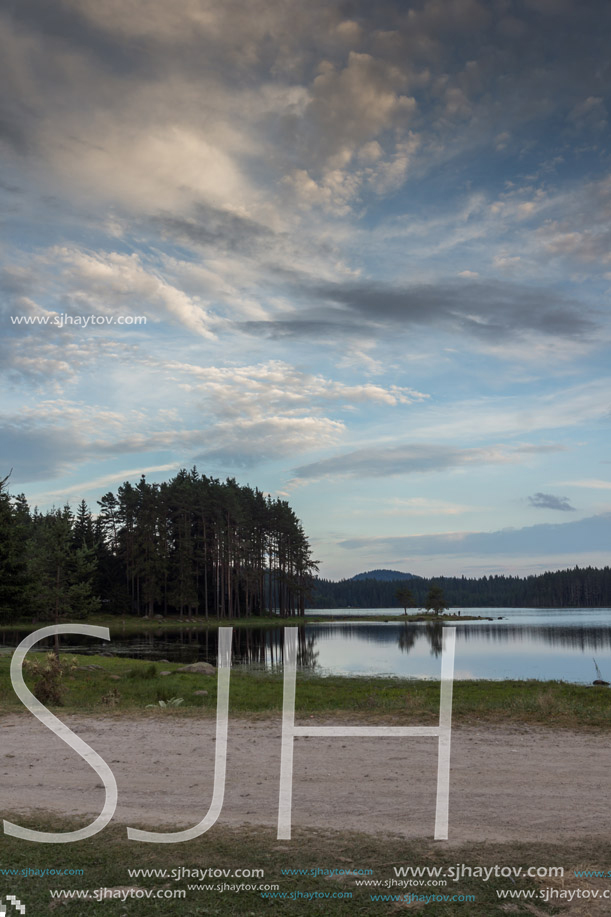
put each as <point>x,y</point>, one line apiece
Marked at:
<point>516,643</point>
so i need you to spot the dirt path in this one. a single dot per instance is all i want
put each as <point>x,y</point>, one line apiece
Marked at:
<point>507,783</point>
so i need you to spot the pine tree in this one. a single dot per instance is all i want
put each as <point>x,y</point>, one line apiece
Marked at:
<point>12,561</point>
<point>405,597</point>
<point>83,531</point>
<point>435,600</point>
<point>61,575</point>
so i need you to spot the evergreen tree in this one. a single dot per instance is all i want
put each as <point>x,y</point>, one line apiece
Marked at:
<point>405,597</point>
<point>12,561</point>
<point>83,532</point>
<point>61,575</point>
<point>196,545</point>
<point>435,600</point>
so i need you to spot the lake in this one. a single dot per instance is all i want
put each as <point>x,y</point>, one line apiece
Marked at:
<point>545,643</point>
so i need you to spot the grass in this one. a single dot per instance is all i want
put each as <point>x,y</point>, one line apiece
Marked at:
<point>134,624</point>
<point>122,685</point>
<point>106,858</point>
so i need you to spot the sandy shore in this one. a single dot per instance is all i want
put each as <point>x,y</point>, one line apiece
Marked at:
<point>507,783</point>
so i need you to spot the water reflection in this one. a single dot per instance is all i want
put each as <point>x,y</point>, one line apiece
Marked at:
<point>432,631</point>
<point>265,648</point>
<point>251,646</point>
<point>559,647</point>
<point>583,638</point>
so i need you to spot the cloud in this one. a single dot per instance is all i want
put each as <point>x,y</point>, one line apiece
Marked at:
<point>57,436</point>
<point>277,386</point>
<point>109,282</point>
<point>592,483</point>
<point>322,330</point>
<point>511,415</point>
<point>312,175</point>
<point>197,124</point>
<point>76,490</point>
<point>407,458</point>
<point>570,538</point>
<point>273,409</point>
<point>549,501</point>
<point>590,113</point>
<point>349,107</point>
<point>152,107</point>
<point>39,453</point>
<point>46,354</point>
<point>238,416</point>
<point>247,442</point>
<point>352,105</point>
<point>422,506</point>
<point>212,227</point>
<point>581,231</point>
<point>484,310</point>
<point>588,246</point>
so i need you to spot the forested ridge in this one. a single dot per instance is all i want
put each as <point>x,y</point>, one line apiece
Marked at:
<point>586,587</point>
<point>192,546</point>
<point>199,547</point>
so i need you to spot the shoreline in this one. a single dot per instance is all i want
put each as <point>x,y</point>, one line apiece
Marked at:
<point>135,623</point>
<point>124,686</point>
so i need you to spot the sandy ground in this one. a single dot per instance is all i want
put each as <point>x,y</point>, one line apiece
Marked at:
<point>507,783</point>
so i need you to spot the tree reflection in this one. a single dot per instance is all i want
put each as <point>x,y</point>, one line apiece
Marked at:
<point>307,654</point>
<point>264,647</point>
<point>408,634</point>
<point>434,634</point>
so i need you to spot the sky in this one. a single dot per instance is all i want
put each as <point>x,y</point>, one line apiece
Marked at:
<point>356,255</point>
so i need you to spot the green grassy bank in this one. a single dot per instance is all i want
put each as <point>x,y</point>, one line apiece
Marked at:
<point>131,624</point>
<point>120,685</point>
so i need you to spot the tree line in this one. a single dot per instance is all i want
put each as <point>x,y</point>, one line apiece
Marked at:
<point>580,587</point>
<point>192,546</point>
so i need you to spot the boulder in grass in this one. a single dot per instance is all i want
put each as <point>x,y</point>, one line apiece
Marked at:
<point>198,668</point>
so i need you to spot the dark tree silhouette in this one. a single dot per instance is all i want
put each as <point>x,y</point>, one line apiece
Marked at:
<point>435,600</point>
<point>405,597</point>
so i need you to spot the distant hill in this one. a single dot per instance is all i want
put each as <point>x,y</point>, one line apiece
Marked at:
<point>575,588</point>
<point>384,576</point>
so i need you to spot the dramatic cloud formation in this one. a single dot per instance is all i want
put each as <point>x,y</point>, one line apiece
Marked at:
<point>370,243</point>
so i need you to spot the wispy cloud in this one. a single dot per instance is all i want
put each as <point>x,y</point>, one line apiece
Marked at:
<point>407,458</point>
<point>76,490</point>
<point>591,483</point>
<point>482,309</point>
<point>565,539</point>
<point>420,506</point>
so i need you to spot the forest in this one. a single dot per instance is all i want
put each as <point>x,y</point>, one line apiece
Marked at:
<point>192,546</point>
<point>197,547</point>
<point>587,587</point>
